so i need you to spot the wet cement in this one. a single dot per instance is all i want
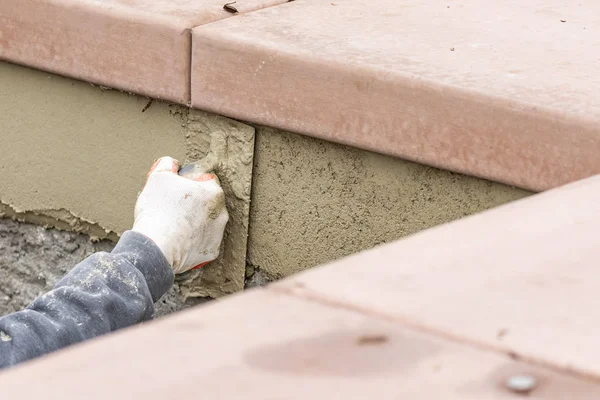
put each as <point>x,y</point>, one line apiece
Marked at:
<point>33,259</point>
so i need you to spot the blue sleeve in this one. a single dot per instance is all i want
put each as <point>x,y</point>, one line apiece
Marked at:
<point>103,293</point>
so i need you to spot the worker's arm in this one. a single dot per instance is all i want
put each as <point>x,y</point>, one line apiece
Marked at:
<point>105,292</point>
<point>179,224</point>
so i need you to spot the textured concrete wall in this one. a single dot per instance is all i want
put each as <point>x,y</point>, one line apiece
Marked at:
<point>315,201</point>
<point>75,156</point>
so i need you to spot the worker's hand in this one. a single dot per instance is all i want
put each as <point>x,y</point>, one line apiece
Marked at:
<point>185,218</point>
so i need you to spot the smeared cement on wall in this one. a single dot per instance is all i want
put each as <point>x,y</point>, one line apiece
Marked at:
<point>315,201</point>
<point>227,147</point>
<point>75,156</point>
<point>79,154</point>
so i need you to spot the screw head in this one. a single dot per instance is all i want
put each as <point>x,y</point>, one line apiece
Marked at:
<point>521,383</point>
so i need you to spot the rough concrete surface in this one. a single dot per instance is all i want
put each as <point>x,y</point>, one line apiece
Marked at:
<point>315,201</point>
<point>33,259</point>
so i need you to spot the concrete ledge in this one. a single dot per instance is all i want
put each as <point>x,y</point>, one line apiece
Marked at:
<point>269,345</point>
<point>520,279</point>
<point>509,98</point>
<point>453,312</point>
<point>314,201</point>
<point>140,46</point>
<point>502,97</point>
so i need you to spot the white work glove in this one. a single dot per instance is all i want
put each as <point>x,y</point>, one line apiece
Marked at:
<point>185,218</point>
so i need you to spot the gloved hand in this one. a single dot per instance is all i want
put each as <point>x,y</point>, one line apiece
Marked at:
<point>185,218</point>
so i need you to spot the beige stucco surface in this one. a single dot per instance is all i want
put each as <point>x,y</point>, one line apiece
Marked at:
<point>75,156</point>
<point>142,46</point>
<point>315,201</point>
<point>78,154</point>
<point>74,151</point>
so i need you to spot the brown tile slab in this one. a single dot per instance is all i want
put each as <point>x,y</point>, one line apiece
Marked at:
<point>503,90</point>
<point>522,278</point>
<point>263,345</point>
<point>141,46</point>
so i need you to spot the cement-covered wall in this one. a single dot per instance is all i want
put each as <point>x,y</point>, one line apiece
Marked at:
<point>315,201</point>
<point>75,155</point>
<point>79,153</point>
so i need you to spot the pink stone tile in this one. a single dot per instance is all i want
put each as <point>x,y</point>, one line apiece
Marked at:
<point>141,46</point>
<point>522,278</point>
<point>501,90</point>
<point>263,345</point>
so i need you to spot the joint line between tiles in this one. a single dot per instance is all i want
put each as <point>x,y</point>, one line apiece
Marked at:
<point>311,296</point>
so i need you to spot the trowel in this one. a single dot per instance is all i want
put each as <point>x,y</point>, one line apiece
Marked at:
<point>198,168</point>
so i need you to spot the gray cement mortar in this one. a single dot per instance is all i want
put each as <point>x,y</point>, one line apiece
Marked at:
<point>33,259</point>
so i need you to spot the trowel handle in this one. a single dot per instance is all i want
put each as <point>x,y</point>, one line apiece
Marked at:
<point>191,171</point>
<point>195,170</point>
